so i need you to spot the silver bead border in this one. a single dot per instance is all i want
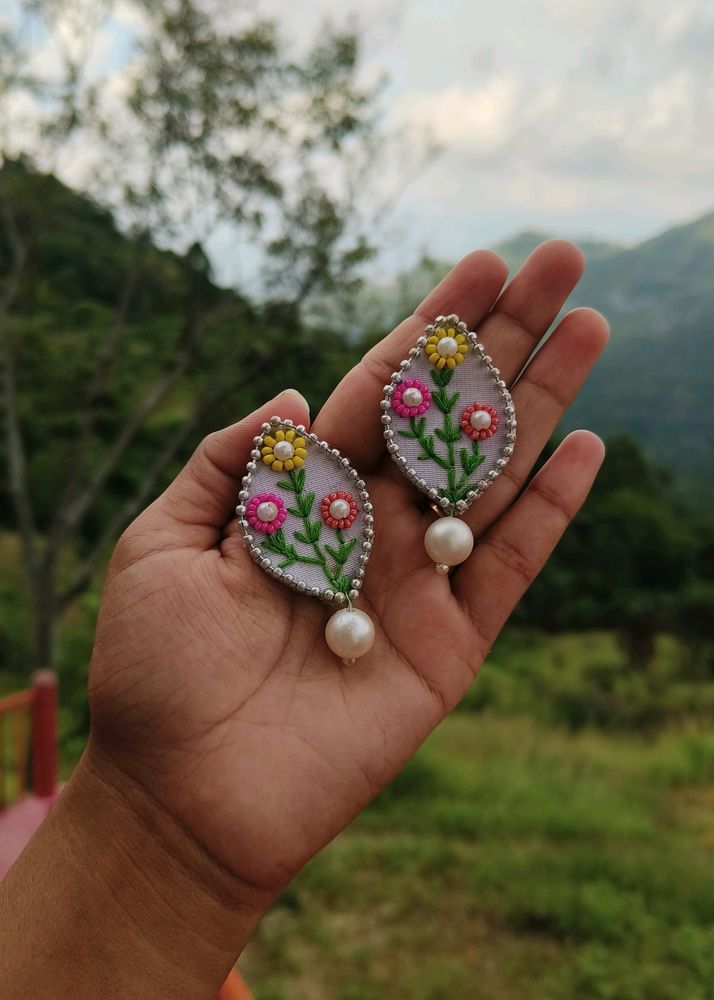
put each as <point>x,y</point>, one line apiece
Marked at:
<point>393,448</point>
<point>253,546</point>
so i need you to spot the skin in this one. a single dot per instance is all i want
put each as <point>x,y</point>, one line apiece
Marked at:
<point>228,744</point>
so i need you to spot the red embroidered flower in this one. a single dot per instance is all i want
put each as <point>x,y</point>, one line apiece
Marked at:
<point>411,398</point>
<point>479,421</point>
<point>338,510</point>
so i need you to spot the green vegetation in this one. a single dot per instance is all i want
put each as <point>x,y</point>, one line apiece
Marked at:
<point>512,859</point>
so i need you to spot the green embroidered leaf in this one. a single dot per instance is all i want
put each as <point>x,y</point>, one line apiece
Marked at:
<point>294,511</point>
<point>448,435</point>
<point>470,461</point>
<point>442,376</point>
<point>298,477</point>
<point>305,504</point>
<point>341,554</point>
<point>302,537</point>
<point>286,486</point>
<point>406,434</point>
<point>312,530</point>
<point>343,585</point>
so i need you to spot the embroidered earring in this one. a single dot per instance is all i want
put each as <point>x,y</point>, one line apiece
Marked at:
<point>450,426</point>
<point>307,521</point>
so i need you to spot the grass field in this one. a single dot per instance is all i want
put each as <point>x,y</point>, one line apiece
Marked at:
<point>512,860</point>
<point>552,840</point>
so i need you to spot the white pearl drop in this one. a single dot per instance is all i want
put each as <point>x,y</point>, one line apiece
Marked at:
<point>283,451</point>
<point>480,420</point>
<point>339,509</point>
<point>412,397</point>
<point>449,541</point>
<point>447,347</point>
<point>267,511</point>
<point>349,633</point>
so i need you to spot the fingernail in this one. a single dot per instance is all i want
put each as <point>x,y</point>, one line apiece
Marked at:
<point>299,396</point>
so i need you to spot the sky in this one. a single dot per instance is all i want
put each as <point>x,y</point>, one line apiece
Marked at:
<point>580,118</point>
<point>577,117</point>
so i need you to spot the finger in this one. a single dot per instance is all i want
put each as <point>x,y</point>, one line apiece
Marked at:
<point>529,304</point>
<point>201,499</point>
<point>512,553</point>
<point>541,395</point>
<point>349,420</point>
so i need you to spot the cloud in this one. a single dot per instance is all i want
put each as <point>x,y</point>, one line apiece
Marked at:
<point>479,118</point>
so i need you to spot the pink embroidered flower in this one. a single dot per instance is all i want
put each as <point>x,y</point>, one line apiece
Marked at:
<point>479,421</point>
<point>411,398</point>
<point>338,510</point>
<point>266,512</point>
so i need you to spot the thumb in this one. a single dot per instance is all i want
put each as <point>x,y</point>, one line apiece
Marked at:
<point>201,499</point>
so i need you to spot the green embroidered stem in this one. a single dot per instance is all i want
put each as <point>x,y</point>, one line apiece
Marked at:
<point>310,535</point>
<point>450,433</point>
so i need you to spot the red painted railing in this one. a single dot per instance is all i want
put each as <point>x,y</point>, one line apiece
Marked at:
<point>28,741</point>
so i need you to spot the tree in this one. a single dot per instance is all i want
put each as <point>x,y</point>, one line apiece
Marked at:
<point>212,120</point>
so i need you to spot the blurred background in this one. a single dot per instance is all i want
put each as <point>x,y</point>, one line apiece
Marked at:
<point>187,185</point>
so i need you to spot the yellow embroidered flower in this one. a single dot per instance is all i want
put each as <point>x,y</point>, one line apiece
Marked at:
<point>446,347</point>
<point>284,451</point>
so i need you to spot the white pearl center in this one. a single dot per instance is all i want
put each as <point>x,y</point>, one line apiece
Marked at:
<point>349,634</point>
<point>283,450</point>
<point>412,397</point>
<point>447,347</point>
<point>339,509</point>
<point>480,420</point>
<point>267,511</point>
<point>449,541</point>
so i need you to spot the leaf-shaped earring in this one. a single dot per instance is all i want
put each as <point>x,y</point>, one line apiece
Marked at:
<point>307,521</point>
<point>450,426</point>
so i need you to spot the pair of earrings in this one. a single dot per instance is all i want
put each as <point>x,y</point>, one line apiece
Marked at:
<point>306,515</point>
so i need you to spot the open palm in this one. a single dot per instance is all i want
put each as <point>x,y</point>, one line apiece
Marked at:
<point>212,687</point>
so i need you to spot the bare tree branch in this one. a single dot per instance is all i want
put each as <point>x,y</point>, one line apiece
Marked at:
<point>83,576</point>
<point>75,480</point>
<point>70,517</point>
<point>17,459</point>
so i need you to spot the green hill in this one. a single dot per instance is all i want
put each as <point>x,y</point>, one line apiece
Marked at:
<point>655,379</point>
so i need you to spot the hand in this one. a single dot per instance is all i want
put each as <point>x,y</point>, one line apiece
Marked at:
<point>213,693</point>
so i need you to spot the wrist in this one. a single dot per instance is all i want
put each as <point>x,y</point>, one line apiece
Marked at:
<point>174,895</point>
<point>111,880</point>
